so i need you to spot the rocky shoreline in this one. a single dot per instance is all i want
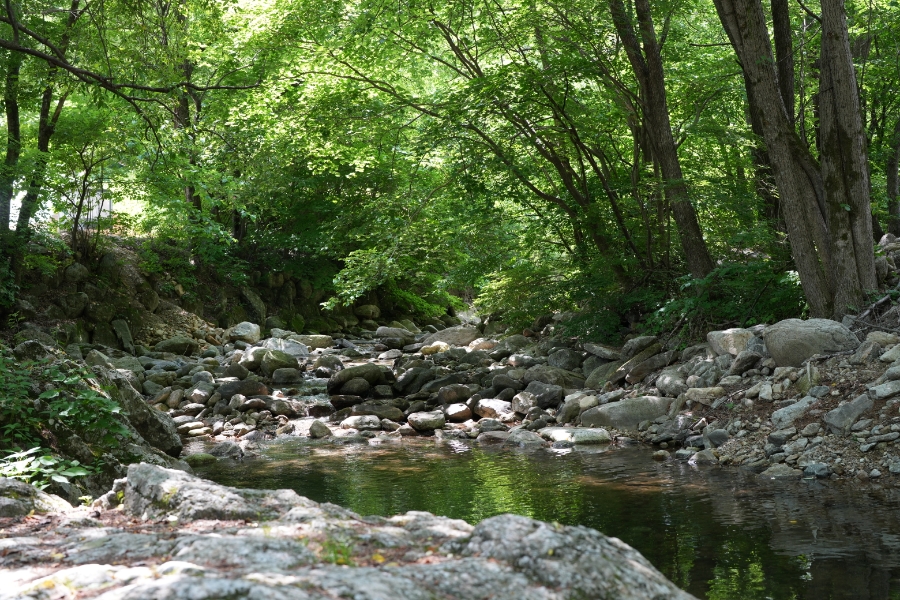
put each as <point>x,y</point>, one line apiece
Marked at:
<point>164,534</point>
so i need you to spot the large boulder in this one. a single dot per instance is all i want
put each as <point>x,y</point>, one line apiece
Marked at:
<point>370,372</point>
<point>18,499</point>
<point>461,335</point>
<point>730,341</point>
<point>292,347</point>
<point>247,387</point>
<point>553,376</point>
<point>273,360</point>
<point>426,421</point>
<point>545,395</point>
<point>626,414</point>
<point>841,418</point>
<point>792,341</point>
<point>179,344</point>
<point>504,557</point>
<point>155,426</point>
<point>153,492</point>
<point>244,332</point>
<point>314,341</point>
<point>565,358</point>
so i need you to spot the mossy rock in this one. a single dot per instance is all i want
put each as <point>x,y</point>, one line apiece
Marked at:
<point>200,459</point>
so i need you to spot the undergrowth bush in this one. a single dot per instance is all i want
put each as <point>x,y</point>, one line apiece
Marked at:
<point>73,398</point>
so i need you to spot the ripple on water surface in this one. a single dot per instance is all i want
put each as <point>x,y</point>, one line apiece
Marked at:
<point>715,532</point>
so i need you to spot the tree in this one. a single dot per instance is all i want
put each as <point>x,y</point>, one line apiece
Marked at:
<point>825,203</point>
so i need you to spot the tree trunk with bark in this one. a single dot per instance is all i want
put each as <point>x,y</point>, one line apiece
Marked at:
<point>646,62</point>
<point>893,182</point>
<point>826,208</point>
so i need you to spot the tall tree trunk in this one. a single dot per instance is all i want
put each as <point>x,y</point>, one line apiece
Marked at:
<point>745,24</point>
<point>844,164</point>
<point>647,65</point>
<point>827,210</point>
<point>13,140</point>
<point>893,182</point>
<point>784,54</point>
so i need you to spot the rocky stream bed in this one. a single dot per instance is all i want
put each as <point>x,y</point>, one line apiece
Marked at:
<point>797,399</point>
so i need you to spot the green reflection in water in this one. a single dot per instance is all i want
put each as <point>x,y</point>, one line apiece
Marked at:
<point>668,516</point>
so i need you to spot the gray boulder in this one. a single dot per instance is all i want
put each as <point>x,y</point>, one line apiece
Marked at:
<point>843,417</point>
<point>370,372</point>
<point>154,492</point>
<point>601,375</point>
<point>461,335</point>
<point>246,387</point>
<point>524,439</point>
<point>604,352</point>
<point>792,341</point>
<point>178,345</point>
<point>785,416</point>
<point>273,360</point>
<point>155,426</point>
<point>565,359</point>
<point>730,341</point>
<point>18,499</point>
<point>291,347</point>
<point>244,332</point>
<point>426,421</point>
<point>626,414</point>
<point>635,346</point>
<point>545,395</point>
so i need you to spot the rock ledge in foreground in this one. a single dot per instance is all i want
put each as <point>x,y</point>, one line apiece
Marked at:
<point>293,555</point>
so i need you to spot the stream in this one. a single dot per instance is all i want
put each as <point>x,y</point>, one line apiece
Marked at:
<point>718,533</point>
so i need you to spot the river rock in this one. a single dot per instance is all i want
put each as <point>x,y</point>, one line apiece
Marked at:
<point>730,341</point>
<point>372,373</point>
<point>545,395</point>
<point>457,413</point>
<point>434,348</point>
<point>318,429</point>
<point>178,344</point>
<point>154,492</point>
<point>314,341</point>
<point>785,416</point>
<point>604,352</point>
<point>565,358</point>
<point>623,371</point>
<point>355,387</point>
<point>705,396</point>
<point>290,347</point>
<point>744,361</point>
<point>636,345</point>
<point>671,383</point>
<point>885,390</point>
<point>362,423</point>
<point>426,421</point>
<point>454,393</point>
<point>244,332</point>
<point>792,341</point>
<point>646,367</point>
<point>576,435</point>
<point>382,411</point>
<point>273,360</point>
<point>781,471</point>
<point>367,311</point>
<point>492,408</point>
<point>18,499</point>
<point>248,387</point>
<point>843,417</point>
<point>524,439</point>
<point>155,426</point>
<point>627,413</point>
<point>553,376</point>
<point>461,335</point>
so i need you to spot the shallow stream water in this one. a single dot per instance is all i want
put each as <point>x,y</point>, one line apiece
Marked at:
<point>716,532</point>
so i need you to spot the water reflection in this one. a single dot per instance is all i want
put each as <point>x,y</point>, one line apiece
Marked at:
<point>715,532</point>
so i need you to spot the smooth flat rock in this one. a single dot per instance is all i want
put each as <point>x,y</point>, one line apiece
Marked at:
<point>576,435</point>
<point>844,416</point>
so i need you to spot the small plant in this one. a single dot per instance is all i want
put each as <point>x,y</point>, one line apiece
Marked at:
<point>39,467</point>
<point>337,553</point>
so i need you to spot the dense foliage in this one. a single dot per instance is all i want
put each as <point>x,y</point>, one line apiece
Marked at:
<point>503,152</point>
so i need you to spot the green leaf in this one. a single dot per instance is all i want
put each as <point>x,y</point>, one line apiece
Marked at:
<point>59,478</point>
